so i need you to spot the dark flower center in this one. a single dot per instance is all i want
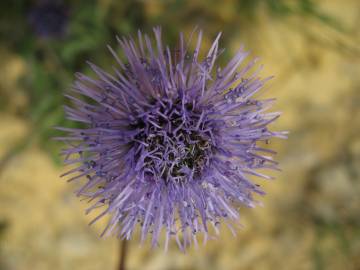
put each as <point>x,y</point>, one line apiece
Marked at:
<point>174,143</point>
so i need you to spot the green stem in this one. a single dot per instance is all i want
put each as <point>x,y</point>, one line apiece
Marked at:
<point>123,253</point>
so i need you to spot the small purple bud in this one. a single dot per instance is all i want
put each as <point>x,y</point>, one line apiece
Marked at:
<point>49,18</point>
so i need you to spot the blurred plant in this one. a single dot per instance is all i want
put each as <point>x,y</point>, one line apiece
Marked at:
<point>51,61</point>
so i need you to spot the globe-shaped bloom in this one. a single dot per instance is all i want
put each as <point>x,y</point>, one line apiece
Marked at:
<point>169,139</point>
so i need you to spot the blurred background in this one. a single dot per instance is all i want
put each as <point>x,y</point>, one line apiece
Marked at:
<point>311,215</point>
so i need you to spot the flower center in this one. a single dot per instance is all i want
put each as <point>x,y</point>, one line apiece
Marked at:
<point>174,143</point>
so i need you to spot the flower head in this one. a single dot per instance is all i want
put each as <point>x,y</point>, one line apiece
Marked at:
<point>170,139</point>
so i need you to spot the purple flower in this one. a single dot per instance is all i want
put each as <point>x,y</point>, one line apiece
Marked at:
<point>169,139</point>
<point>49,18</point>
